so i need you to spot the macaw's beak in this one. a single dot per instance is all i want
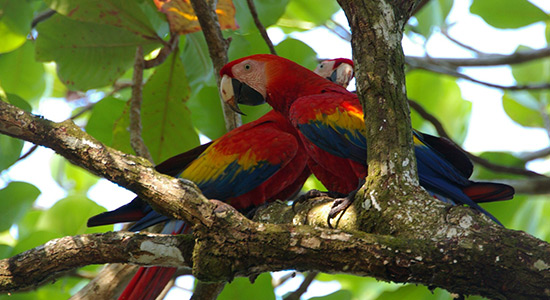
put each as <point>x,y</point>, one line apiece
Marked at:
<point>342,75</point>
<point>234,92</point>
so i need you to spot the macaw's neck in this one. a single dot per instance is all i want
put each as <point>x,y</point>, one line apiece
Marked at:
<point>288,83</point>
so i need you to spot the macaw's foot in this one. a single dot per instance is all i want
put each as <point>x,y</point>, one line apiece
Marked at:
<point>315,194</point>
<point>339,206</point>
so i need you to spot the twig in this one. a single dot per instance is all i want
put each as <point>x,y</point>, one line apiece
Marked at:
<point>217,48</point>
<point>448,71</point>
<point>529,186</point>
<point>260,26</point>
<point>163,53</point>
<point>31,150</point>
<point>303,287</point>
<point>136,139</point>
<point>481,161</point>
<point>484,60</point>
<point>529,156</point>
<point>207,291</point>
<point>450,38</point>
<point>41,17</point>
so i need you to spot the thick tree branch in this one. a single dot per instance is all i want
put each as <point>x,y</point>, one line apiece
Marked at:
<point>509,264</point>
<point>217,47</point>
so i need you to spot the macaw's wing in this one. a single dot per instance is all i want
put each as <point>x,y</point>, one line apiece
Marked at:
<point>333,122</point>
<point>241,160</point>
<point>439,176</point>
<point>175,165</point>
<point>450,151</point>
<point>481,192</point>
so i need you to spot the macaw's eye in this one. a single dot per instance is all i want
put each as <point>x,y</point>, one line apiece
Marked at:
<point>321,66</point>
<point>247,67</point>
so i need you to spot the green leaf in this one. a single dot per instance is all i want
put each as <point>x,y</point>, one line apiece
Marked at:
<point>269,11</point>
<point>360,287</point>
<point>534,71</point>
<point>15,23</point>
<point>167,128</point>
<point>61,289</point>
<point>91,60</point>
<point>5,251</point>
<point>26,226</point>
<point>338,295</point>
<point>197,62</point>
<point>70,177</point>
<point>298,52</point>
<point>508,13</point>
<point>133,16</point>
<point>245,44</point>
<point>16,199</point>
<point>523,108</point>
<point>241,288</point>
<point>206,112</point>
<point>102,120</point>
<point>121,135</point>
<point>439,95</point>
<point>531,214</point>
<point>20,74</point>
<point>432,15</point>
<point>414,292</point>
<point>307,14</point>
<point>58,220</point>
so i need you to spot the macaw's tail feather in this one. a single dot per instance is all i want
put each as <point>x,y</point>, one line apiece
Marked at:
<point>131,212</point>
<point>148,283</point>
<point>481,192</point>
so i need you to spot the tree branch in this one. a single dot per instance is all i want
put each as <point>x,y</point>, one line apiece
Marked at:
<point>303,287</point>
<point>260,26</point>
<point>135,108</point>
<point>217,47</point>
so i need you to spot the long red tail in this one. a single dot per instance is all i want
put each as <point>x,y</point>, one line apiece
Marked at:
<point>481,192</point>
<point>149,282</point>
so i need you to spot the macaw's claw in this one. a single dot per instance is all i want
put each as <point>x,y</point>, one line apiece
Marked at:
<point>340,205</point>
<point>315,194</point>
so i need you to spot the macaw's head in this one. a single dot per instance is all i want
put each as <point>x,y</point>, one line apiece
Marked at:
<point>338,70</point>
<point>261,78</point>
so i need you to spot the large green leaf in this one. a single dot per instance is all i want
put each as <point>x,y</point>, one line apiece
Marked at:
<point>197,62</point>
<point>307,14</point>
<point>135,16</point>
<point>432,15</point>
<point>60,289</point>
<point>360,287</point>
<point>241,288</point>
<point>338,295</point>
<point>439,95</point>
<point>88,55</point>
<point>20,74</point>
<point>534,71</point>
<point>414,292</point>
<point>523,108</point>
<point>298,52</point>
<point>102,120</point>
<point>508,13</point>
<point>15,200</point>
<point>269,11</point>
<point>15,23</point>
<point>167,127</point>
<point>10,148</point>
<point>245,44</point>
<point>57,219</point>
<point>206,112</point>
<point>531,215</point>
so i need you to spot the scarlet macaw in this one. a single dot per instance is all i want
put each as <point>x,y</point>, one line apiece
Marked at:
<point>254,164</point>
<point>330,121</point>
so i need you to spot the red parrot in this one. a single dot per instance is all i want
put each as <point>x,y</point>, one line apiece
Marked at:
<point>256,163</point>
<point>331,125</point>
